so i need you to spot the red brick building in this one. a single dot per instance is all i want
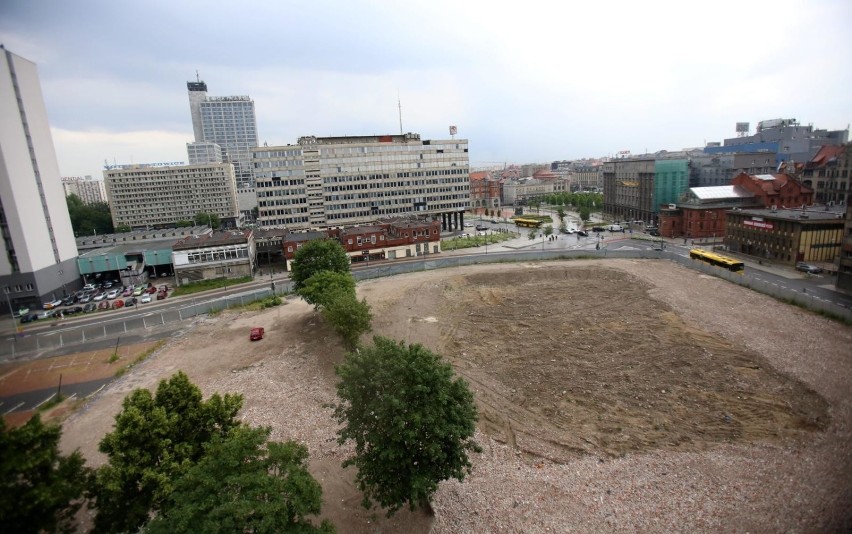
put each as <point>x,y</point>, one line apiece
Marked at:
<point>485,190</point>
<point>403,238</point>
<point>779,190</point>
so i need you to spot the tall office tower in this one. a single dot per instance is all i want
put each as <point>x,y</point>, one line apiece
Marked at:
<point>228,121</point>
<point>39,258</point>
<point>203,152</point>
<point>87,189</point>
<point>337,181</point>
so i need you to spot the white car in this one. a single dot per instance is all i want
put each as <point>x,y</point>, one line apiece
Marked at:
<point>145,298</point>
<point>99,296</point>
<point>468,225</point>
<point>113,294</point>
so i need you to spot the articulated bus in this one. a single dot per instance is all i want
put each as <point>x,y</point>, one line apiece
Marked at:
<point>528,223</point>
<point>731,264</point>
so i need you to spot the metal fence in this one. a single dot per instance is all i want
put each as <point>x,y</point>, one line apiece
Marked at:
<point>112,328</point>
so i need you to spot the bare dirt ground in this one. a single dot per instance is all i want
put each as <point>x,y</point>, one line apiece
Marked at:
<point>614,396</point>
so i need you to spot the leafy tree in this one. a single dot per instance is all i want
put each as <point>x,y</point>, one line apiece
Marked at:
<point>122,228</point>
<point>156,439</point>
<point>585,213</point>
<point>210,219</point>
<point>322,286</point>
<point>240,486</point>
<point>349,316</point>
<point>548,230</point>
<point>89,219</point>
<point>560,212</point>
<point>315,256</point>
<point>183,224</point>
<point>39,488</point>
<point>412,422</point>
<point>532,234</point>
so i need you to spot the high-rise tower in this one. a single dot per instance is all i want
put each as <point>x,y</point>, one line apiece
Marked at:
<point>228,121</point>
<point>39,257</point>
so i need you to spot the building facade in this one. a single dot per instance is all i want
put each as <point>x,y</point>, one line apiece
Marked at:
<point>485,191</point>
<point>588,178</point>
<point>228,254</point>
<point>39,253</point>
<point>827,173</point>
<point>87,189</point>
<point>629,189</point>
<point>519,191</point>
<point>203,152</point>
<point>228,121</point>
<point>844,268</point>
<point>142,196</point>
<point>323,182</point>
<point>785,236</point>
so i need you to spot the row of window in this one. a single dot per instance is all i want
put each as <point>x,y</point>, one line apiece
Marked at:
<point>17,288</point>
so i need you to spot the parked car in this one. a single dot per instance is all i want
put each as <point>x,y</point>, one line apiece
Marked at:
<point>89,287</point>
<point>481,227</point>
<point>99,297</point>
<point>57,314</point>
<point>84,299</point>
<point>138,291</point>
<point>103,305</point>
<point>808,268</point>
<point>654,232</point>
<point>90,307</point>
<point>130,302</point>
<point>582,233</point>
<point>615,228</point>
<point>468,224</point>
<point>117,304</point>
<point>162,294</point>
<point>68,301</point>
<point>74,311</point>
<point>598,229</point>
<point>146,298</point>
<point>28,318</point>
<point>44,314</point>
<point>127,291</point>
<point>151,290</point>
<point>21,312</point>
<point>52,304</point>
<point>256,334</point>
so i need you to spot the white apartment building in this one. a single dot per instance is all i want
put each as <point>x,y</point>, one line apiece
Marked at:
<point>87,189</point>
<point>160,195</point>
<point>336,181</point>
<point>228,121</point>
<point>39,257</point>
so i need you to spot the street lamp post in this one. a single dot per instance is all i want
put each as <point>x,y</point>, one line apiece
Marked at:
<point>713,243</point>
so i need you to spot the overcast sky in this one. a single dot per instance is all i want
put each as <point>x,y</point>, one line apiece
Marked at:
<point>525,82</point>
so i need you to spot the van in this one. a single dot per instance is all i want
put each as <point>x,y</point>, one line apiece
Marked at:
<point>615,228</point>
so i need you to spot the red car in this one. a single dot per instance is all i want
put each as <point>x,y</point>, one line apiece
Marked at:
<point>162,294</point>
<point>256,334</point>
<point>151,290</point>
<point>118,304</point>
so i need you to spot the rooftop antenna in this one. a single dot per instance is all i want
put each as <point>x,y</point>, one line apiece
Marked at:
<point>399,103</point>
<point>197,77</point>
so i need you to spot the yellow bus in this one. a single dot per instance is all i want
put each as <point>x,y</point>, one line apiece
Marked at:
<point>731,264</point>
<point>528,223</point>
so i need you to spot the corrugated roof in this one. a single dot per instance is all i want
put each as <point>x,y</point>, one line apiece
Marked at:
<point>766,177</point>
<point>719,192</point>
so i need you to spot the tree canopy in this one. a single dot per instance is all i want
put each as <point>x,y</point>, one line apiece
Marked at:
<point>210,219</point>
<point>322,286</point>
<point>156,439</point>
<point>89,219</point>
<point>39,488</point>
<point>315,256</point>
<point>349,316</point>
<point>240,486</point>
<point>411,422</point>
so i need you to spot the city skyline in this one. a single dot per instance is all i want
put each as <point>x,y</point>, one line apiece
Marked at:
<point>523,86</point>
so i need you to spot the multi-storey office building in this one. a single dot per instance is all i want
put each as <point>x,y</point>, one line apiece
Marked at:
<point>87,189</point>
<point>228,121</point>
<point>203,152</point>
<point>39,255</point>
<point>143,196</point>
<point>336,181</point>
<point>628,188</point>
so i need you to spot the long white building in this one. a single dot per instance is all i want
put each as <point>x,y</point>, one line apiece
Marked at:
<point>336,181</point>
<point>39,254</point>
<point>160,195</point>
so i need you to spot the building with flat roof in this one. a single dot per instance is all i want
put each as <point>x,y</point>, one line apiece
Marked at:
<point>227,254</point>
<point>228,121</point>
<point>204,152</point>
<point>39,255</point>
<point>323,182</point>
<point>160,195</point>
<point>88,190</point>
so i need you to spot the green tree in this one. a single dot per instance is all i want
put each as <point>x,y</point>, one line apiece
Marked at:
<point>348,316</point>
<point>548,230</point>
<point>560,212</point>
<point>585,213</point>
<point>241,486</point>
<point>89,219</point>
<point>40,489</point>
<point>532,234</point>
<point>320,288</point>
<point>155,441</point>
<point>411,420</point>
<point>122,228</point>
<point>315,256</point>
<point>183,224</point>
<point>210,219</point>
